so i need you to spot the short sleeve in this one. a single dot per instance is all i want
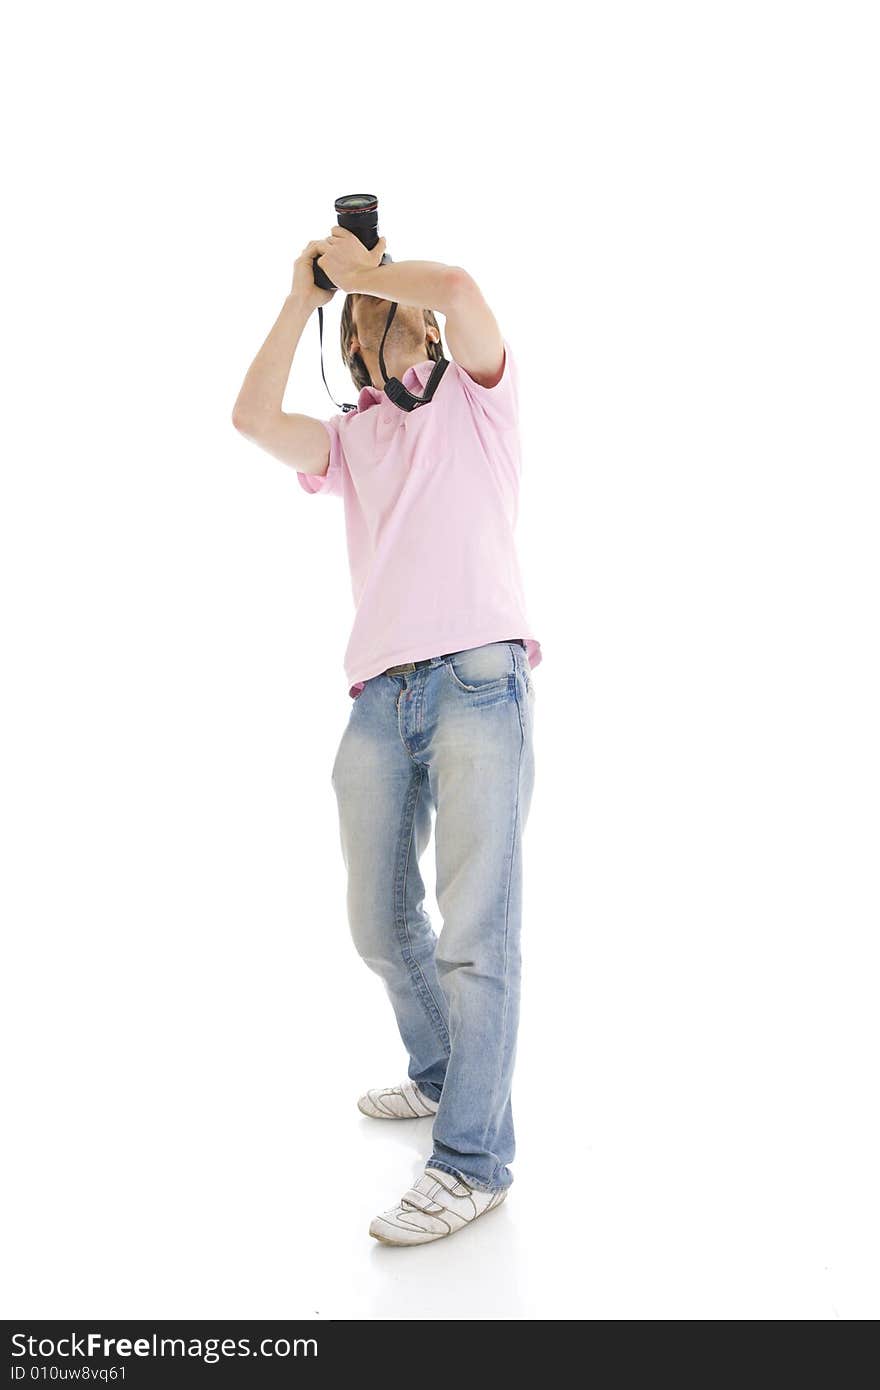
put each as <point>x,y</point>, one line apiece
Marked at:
<point>500,403</point>
<point>331,481</point>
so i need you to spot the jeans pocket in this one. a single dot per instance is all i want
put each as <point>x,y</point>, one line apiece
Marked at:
<point>485,669</point>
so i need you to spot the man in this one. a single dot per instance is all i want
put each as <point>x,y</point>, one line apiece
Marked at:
<point>438,666</point>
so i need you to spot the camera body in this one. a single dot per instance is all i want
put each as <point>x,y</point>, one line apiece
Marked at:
<point>358,213</point>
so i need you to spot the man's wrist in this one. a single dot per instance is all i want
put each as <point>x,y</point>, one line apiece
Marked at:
<point>363,281</point>
<point>299,303</point>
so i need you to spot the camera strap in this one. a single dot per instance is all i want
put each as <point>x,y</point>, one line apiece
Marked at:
<point>394,388</point>
<point>347,406</point>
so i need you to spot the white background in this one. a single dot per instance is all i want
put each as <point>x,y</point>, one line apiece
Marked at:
<point>674,213</point>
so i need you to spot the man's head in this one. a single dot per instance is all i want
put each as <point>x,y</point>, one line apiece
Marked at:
<point>414,335</point>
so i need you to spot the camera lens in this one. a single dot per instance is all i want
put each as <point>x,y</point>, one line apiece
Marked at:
<point>357,202</point>
<point>359,213</point>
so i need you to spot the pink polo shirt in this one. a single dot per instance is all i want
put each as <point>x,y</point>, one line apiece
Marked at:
<point>430,499</point>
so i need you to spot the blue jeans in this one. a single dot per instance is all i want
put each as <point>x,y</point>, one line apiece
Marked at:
<point>453,737</point>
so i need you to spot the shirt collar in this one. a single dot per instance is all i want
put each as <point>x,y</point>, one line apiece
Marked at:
<point>414,377</point>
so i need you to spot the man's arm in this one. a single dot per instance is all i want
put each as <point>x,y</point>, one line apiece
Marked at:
<point>299,440</point>
<point>472,331</point>
<point>419,284</point>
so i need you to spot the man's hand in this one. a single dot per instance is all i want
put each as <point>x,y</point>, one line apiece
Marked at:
<point>346,258</point>
<point>304,287</point>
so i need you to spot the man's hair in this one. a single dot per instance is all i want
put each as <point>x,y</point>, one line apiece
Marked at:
<point>355,364</point>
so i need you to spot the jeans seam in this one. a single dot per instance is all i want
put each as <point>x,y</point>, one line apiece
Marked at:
<point>400,919</point>
<point>516,830</point>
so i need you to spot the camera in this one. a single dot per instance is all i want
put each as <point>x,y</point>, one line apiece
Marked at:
<point>358,213</point>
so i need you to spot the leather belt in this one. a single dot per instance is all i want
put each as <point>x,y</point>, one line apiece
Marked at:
<point>415,665</point>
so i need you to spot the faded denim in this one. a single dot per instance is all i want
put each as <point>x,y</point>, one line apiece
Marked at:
<point>452,740</point>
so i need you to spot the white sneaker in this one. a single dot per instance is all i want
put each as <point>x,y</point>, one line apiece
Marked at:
<point>404,1102</point>
<point>436,1206</point>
